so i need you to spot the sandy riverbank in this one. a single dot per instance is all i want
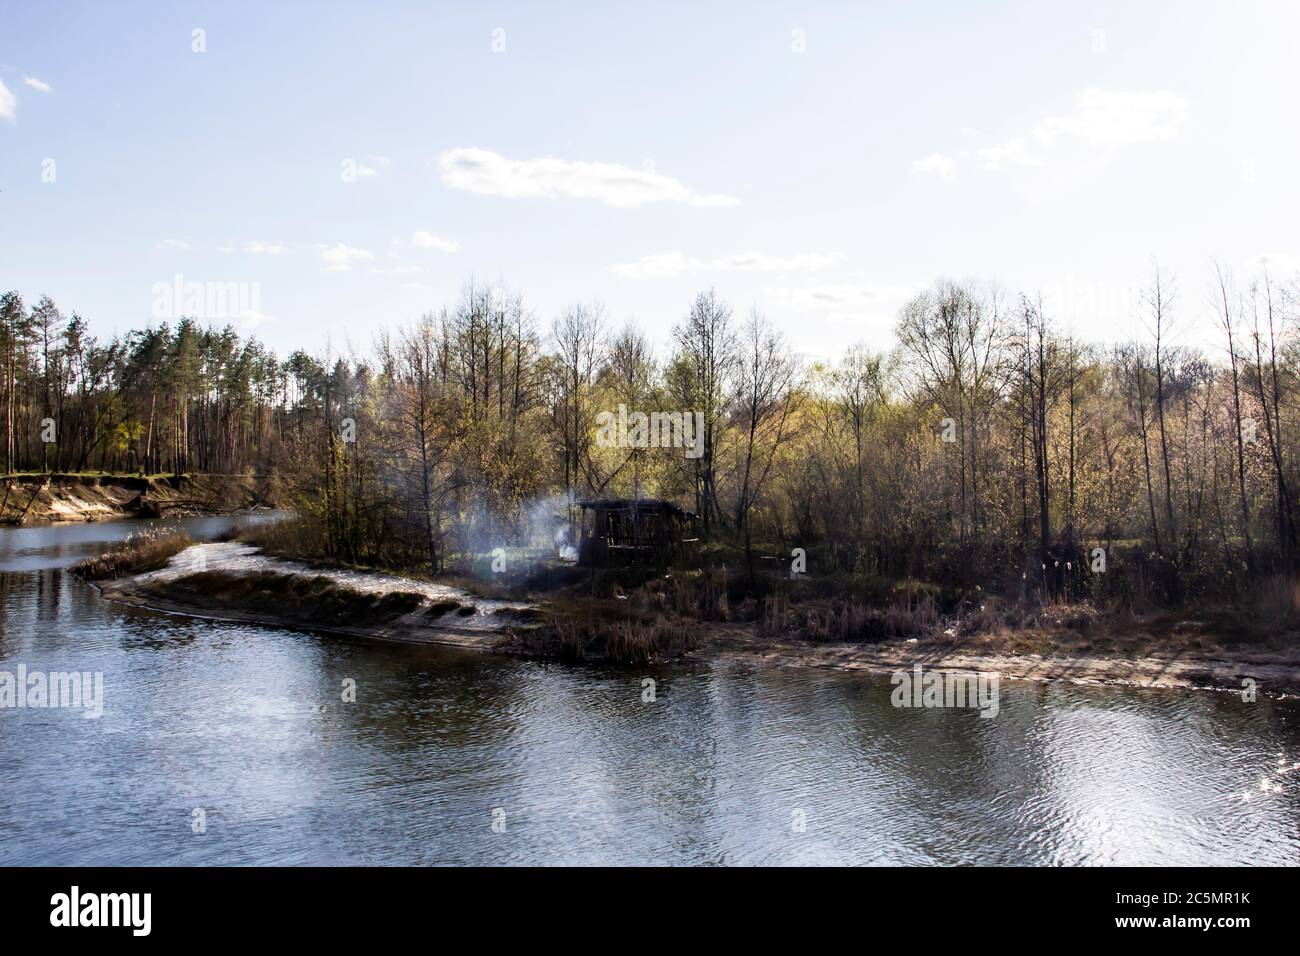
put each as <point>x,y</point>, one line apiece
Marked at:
<point>234,582</point>
<point>384,623</point>
<point>36,499</point>
<point>1274,671</point>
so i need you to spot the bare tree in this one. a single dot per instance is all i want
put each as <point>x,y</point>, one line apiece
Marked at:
<point>1159,299</point>
<point>578,336</point>
<point>859,394</point>
<point>1268,392</point>
<point>1041,377</point>
<point>631,366</point>
<point>426,414</point>
<point>764,403</point>
<point>705,362</point>
<point>1228,317</point>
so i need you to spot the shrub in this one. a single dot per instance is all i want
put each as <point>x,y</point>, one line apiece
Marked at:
<point>1278,601</point>
<point>141,552</point>
<point>627,641</point>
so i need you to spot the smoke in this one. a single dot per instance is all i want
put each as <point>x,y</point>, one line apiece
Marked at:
<point>546,522</point>
<point>540,527</point>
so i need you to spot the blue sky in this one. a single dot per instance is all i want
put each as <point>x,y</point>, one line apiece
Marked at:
<point>818,161</point>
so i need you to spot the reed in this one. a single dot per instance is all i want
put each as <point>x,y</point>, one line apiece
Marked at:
<point>141,552</point>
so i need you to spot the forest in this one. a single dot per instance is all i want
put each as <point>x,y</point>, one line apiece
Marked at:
<point>988,446</point>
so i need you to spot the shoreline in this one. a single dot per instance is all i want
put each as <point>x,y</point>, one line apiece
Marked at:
<point>464,638</point>
<point>1275,673</point>
<point>35,500</point>
<point>236,582</point>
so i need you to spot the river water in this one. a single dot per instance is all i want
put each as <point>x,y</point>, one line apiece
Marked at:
<point>230,744</point>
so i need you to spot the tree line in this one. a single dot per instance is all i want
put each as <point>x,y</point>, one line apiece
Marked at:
<point>987,442</point>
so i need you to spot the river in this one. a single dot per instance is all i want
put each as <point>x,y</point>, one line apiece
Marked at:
<point>226,743</point>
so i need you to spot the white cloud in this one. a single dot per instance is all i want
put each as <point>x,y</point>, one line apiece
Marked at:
<point>490,174</point>
<point>38,85</point>
<point>755,261</point>
<point>841,301</point>
<point>421,239</point>
<point>666,264</point>
<point>340,257</point>
<point>262,247</point>
<point>1113,118</point>
<point>8,103</point>
<point>937,164</point>
<point>658,266</point>
<point>1014,152</point>
<point>407,270</point>
<point>1082,141</point>
<point>257,247</point>
<point>180,244</point>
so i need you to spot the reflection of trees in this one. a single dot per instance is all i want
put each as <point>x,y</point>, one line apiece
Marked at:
<point>931,784</point>
<point>413,697</point>
<point>10,584</point>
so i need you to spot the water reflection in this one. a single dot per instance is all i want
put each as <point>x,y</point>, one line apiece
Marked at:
<point>247,723</point>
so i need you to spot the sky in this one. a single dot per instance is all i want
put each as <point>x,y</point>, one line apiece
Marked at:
<point>350,166</point>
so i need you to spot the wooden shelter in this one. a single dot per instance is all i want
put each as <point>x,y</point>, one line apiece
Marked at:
<point>621,531</point>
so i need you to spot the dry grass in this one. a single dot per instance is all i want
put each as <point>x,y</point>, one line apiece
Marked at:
<point>628,641</point>
<point>701,595</point>
<point>637,643</point>
<point>1279,600</point>
<point>141,552</point>
<point>291,537</point>
<point>913,618</point>
<point>847,619</point>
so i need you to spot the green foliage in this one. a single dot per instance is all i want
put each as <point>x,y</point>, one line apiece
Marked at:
<point>989,450</point>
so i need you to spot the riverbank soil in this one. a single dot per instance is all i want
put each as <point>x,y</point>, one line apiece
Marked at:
<point>310,601</point>
<point>30,499</point>
<point>694,616</point>
<point>1074,644</point>
<point>1153,651</point>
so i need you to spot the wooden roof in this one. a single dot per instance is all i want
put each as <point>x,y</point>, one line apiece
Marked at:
<point>651,505</point>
